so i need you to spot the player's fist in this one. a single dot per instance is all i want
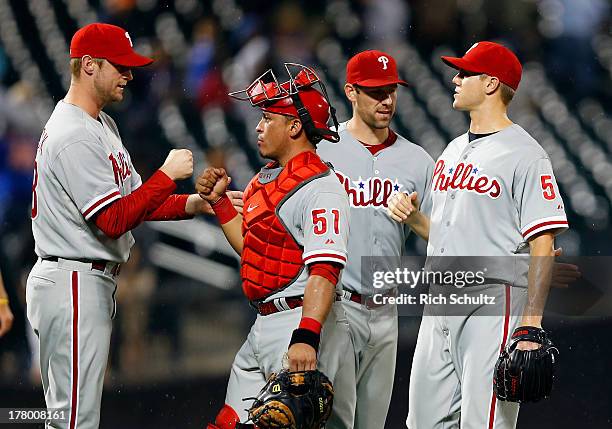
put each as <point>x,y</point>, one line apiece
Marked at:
<point>302,357</point>
<point>402,206</point>
<point>178,164</point>
<point>212,183</point>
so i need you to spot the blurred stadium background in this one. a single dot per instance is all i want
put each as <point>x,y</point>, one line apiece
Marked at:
<point>181,313</point>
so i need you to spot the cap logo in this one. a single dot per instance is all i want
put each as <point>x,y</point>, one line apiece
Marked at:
<point>384,60</point>
<point>127,35</point>
<point>473,46</point>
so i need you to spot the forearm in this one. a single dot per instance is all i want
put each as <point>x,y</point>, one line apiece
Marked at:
<point>175,207</point>
<point>233,233</point>
<point>319,297</point>
<point>230,221</point>
<point>419,224</point>
<point>539,278</point>
<point>130,211</point>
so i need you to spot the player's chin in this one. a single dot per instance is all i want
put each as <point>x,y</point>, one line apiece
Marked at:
<point>118,94</point>
<point>458,105</point>
<point>382,123</point>
<point>263,153</point>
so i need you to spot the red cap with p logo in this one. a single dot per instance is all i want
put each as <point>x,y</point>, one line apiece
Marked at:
<point>492,59</point>
<point>372,69</point>
<point>109,42</point>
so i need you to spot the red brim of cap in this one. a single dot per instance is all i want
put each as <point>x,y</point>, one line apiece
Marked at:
<point>131,60</point>
<point>374,83</point>
<point>460,64</point>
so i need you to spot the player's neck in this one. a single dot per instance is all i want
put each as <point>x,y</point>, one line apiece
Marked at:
<point>489,119</point>
<point>80,97</point>
<point>366,134</point>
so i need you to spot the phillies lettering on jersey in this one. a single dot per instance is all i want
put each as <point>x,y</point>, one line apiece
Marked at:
<point>465,177</point>
<point>369,192</point>
<point>121,167</point>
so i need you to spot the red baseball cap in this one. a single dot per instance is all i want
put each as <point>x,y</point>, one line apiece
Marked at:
<point>372,69</point>
<point>109,42</point>
<point>492,59</point>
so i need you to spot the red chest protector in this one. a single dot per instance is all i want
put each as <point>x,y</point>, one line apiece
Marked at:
<point>271,258</point>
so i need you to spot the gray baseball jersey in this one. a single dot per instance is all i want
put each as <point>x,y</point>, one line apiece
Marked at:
<point>370,180</point>
<point>489,197</point>
<point>81,166</point>
<point>317,217</point>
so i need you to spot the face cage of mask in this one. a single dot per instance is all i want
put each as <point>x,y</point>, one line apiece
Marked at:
<point>266,89</point>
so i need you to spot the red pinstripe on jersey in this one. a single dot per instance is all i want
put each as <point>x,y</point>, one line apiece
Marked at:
<point>503,344</point>
<point>74,395</point>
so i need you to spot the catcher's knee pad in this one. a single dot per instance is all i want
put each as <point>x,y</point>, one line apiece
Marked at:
<point>228,419</point>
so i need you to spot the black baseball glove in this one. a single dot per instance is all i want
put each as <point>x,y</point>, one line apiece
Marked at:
<point>525,375</point>
<point>293,400</point>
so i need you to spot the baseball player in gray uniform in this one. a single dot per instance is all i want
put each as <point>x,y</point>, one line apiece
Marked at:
<point>292,239</point>
<point>493,194</point>
<point>373,163</point>
<point>86,197</point>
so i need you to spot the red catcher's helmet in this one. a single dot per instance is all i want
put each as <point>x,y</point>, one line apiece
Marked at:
<point>297,98</point>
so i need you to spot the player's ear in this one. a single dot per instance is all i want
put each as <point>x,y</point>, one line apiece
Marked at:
<point>492,85</point>
<point>87,64</point>
<point>351,92</point>
<point>295,126</point>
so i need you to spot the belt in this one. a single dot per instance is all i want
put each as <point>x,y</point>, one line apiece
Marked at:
<point>98,265</point>
<point>353,296</point>
<point>279,304</point>
<point>366,300</point>
<point>276,305</point>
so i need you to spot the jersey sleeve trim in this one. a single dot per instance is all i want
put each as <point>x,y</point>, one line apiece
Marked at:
<point>324,255</point>
<point>98,203</point>
<point>537,226</point>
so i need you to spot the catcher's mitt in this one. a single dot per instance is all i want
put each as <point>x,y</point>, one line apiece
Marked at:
<point>293,400</point>
<point>525,375</point>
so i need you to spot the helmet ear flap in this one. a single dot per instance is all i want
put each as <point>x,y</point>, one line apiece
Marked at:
<point>314,134</point>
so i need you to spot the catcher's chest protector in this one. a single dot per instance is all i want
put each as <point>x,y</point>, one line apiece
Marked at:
<point>271,257</point>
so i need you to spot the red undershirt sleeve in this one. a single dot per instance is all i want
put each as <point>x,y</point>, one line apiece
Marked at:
<point>151,201</point>
<point>328,270</point>
<point>171,209</point>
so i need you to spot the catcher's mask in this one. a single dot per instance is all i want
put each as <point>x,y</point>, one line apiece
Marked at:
<point>296,97</point>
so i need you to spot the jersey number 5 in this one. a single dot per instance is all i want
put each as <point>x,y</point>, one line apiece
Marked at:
<point>34,196</point>
<point>548,190</point>
<point>320,221</point>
